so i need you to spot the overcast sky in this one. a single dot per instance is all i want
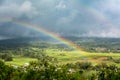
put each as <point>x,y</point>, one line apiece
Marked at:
<point>99,18</point>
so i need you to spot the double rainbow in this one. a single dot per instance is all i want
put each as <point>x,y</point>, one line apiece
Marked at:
<point>69,43</point>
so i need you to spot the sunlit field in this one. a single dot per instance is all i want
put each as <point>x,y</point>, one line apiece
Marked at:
<point>64,57</point>
<point>20,61</point>
<point>81,56</point>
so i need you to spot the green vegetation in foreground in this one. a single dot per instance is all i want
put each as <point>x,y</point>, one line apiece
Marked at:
<point>48,61</point>
<point>70,65</point>
<point>20,61</point>
<point>44,69</point>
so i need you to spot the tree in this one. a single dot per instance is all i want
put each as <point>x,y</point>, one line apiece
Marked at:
<point>6,57</point>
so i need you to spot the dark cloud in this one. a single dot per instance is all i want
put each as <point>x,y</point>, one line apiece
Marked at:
<point>1,2</point>
<point>9,29</point>
<point>70,17</point>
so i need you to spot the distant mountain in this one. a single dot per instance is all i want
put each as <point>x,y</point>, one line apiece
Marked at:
<point>71,38</point>
<point>24,40</point>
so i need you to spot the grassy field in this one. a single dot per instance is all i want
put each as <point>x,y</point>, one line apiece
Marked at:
<point>20,61</point>
<point>81,56</point>
<point>72,57</point>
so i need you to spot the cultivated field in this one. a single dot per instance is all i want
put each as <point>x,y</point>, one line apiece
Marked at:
<point>64,57</point>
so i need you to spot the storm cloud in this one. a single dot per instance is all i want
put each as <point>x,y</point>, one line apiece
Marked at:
<point>64,17</point>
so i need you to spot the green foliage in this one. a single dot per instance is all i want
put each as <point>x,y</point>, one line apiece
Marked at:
<point>83,65</point>
<point>52,59</point>
<point>113,59</point>
<point>6,56</point>
<point>45,71</point>
<point>108,74</point>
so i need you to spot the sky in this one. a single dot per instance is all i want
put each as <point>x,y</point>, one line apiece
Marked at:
<point>90,18</point>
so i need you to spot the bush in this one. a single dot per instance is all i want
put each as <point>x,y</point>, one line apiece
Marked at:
<point>6,57</point>
<point>83,65</point>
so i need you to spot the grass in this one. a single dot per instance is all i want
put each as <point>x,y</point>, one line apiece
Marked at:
<point>81,56</point>
<point>71,57</point>
<point>20,61</point>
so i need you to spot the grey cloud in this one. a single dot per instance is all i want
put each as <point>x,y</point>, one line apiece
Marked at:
<point>110,10</point>
<point>16,10</point>
<point>1,2</point>
<point>62,17</point>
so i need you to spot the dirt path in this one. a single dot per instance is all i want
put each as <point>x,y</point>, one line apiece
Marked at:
<point>101,58</point>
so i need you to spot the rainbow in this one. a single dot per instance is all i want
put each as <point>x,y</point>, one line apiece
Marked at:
<point>98,15</point>
<point>50,34</point>
<point>41,30</point>
<point>69,43</point>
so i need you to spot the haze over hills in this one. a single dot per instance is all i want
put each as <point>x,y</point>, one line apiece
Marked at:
<point>90,44</point>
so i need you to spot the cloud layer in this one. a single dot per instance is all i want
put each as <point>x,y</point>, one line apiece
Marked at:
<point>64,17</point>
